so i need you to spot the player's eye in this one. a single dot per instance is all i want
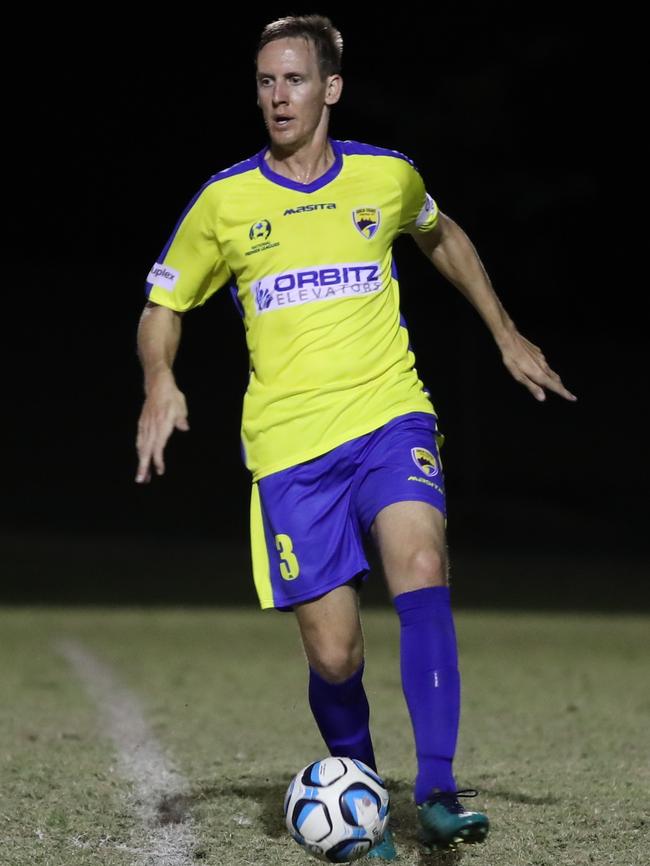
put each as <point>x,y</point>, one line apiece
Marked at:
<point>295,79</point>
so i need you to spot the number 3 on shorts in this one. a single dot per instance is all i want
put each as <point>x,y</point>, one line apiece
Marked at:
<point>289,568</point>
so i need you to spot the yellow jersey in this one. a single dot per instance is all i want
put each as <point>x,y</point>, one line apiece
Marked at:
<point>311,269</point>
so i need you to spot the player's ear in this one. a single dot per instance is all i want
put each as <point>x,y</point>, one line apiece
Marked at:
<point>333,89</point>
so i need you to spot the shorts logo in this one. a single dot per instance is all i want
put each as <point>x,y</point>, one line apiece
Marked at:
<point>307,285</point>
<point>425,461</point>
<point>367,220</point>
<point>163,276</point>
<point>260,231</point>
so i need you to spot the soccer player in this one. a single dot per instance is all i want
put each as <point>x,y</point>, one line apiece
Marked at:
<point>338,431</point>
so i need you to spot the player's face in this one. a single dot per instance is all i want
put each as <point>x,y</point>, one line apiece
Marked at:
<point>291,93</point>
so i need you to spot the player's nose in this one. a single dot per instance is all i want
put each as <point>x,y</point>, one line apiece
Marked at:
<point>280,93</point>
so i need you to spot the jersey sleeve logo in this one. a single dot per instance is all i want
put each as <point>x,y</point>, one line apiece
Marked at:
<point>367,220</point>
<point>425,461</point>
<point>428,213</point>
<point>163,276</point>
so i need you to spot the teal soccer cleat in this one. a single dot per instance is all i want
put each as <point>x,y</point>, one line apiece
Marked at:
<point>445,823</point>
<point>385,850</point>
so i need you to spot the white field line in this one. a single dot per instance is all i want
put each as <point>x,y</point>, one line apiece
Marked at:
<point>141,761</point>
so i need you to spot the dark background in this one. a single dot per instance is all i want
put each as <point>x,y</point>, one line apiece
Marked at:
<point>113,133</point>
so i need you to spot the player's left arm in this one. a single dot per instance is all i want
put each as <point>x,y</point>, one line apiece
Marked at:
<point>455,257</point>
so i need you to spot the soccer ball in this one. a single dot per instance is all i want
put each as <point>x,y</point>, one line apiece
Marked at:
<point>337,809</point>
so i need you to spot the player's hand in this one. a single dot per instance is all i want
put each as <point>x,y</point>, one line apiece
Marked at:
<point>528,366</point>
<point>164,411</point>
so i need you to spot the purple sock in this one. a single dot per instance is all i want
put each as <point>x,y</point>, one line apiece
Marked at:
<point>431,683</point>
<point>342,714</point>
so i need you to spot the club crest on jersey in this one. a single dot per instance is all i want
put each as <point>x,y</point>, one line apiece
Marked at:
<point>260,231</point>
<point>425,461</point>
<point>366,220</point>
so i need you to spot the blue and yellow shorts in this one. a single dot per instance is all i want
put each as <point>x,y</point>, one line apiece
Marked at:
<point>308,521</point>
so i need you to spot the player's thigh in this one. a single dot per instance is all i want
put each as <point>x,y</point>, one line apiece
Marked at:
<point>411,540</point>
<point>330,628</point>
<point>399,497</point>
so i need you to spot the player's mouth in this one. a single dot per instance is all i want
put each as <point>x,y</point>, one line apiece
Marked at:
<point>282,120</point>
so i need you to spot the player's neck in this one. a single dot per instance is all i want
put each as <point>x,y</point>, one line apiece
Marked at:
<point>304,165</point>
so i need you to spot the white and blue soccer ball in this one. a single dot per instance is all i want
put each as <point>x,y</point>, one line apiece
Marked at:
<point>337,809</point>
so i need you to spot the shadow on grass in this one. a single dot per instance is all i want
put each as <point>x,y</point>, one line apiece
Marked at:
<point>517,797</point>
<point>173,808</point>
<point>439,858</point>
<point>267,793</point>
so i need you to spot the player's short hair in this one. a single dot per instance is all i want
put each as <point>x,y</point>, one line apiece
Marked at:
<point>327,40</point>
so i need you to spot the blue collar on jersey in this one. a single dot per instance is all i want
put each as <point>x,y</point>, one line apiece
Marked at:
<point>317,184</point>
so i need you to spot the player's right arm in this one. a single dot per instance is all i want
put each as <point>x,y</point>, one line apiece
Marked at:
<point>190,270</point>
<point>164,409</point>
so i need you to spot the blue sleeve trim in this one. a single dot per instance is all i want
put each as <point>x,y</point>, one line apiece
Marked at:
<point>239,168</point>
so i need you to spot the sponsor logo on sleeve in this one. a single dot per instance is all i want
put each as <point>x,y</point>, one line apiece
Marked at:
<point>163,276</point>
<point>308,285</point>
<point>429,208</point>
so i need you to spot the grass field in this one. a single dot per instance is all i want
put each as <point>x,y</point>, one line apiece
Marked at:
<point>555,734</point>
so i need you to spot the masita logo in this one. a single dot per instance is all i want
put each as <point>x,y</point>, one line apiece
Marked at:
<point>307,285</point>
<point>309,208</point>
<point>163,276</point>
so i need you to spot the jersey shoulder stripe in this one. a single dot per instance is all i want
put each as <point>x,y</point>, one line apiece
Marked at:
<point>241,167</point>
<point>250,164</point>
<point>357,148</point>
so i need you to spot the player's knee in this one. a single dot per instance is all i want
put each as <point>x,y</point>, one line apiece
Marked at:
<point>428,567</point>
<point>337,663</point>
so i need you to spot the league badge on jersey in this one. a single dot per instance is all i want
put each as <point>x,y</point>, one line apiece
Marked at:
<point>260,231</point>
<point>366,221</point>
<point>425,461</point>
